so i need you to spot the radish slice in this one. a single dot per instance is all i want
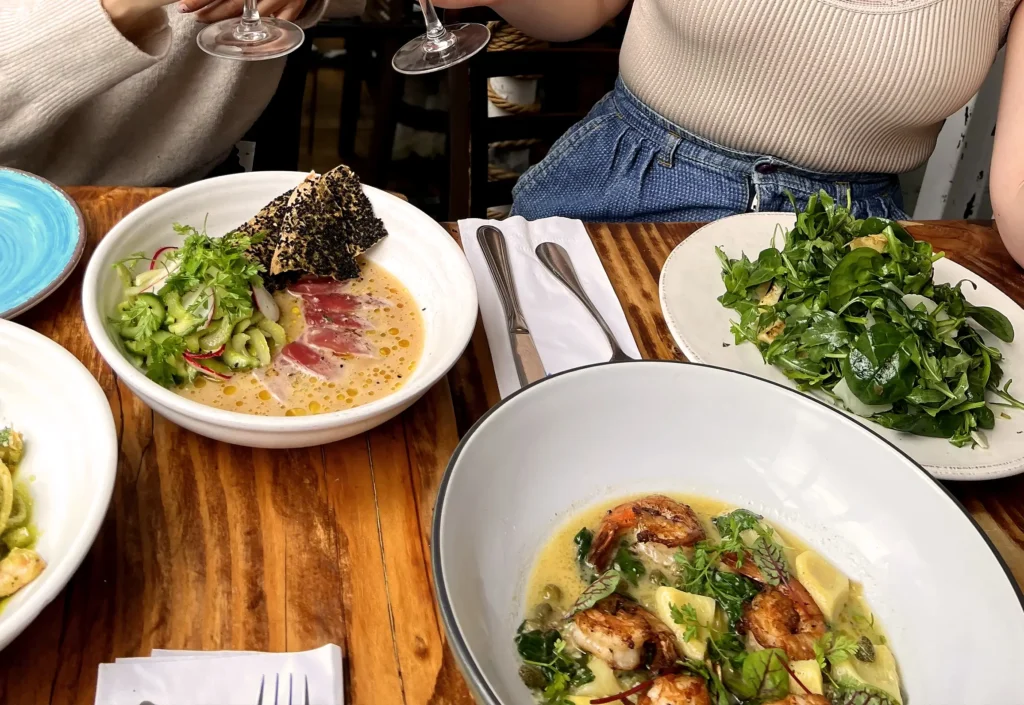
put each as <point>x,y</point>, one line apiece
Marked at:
<point>265,303</point>
<point>203,356</point>
<point>206,370</point>
<point>206,309</point>
<point>156,258</point>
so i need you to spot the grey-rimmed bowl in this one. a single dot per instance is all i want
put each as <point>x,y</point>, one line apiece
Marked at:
<point>954,616</point>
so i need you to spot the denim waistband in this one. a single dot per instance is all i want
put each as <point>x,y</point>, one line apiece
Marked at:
<point>677,142</point>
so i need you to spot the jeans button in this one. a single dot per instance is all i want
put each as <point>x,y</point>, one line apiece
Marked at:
<point>765,168</point>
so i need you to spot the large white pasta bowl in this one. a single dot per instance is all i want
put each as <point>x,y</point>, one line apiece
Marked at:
<point>954,615</point>
<point>418,251</point>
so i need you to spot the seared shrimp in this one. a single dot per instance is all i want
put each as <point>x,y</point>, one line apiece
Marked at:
<point>19,568</point>
<point>623,634</point>
<point>656,519</point>
<point>677,689</point>
<point>785,617</point>
<point>805,699</point>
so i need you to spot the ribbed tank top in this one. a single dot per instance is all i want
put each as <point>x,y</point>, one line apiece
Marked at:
<point>829,85</point>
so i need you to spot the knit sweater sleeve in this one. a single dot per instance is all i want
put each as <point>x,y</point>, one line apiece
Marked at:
<point>57,55</point>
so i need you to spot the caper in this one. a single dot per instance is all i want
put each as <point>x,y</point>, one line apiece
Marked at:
<point>865,650</point>
<point>657,578</point>
<point>532,677</point>
<point>552,593</point>
<point>542,612</point>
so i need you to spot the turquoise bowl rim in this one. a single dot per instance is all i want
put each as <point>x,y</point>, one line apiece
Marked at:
<point>76,256</point>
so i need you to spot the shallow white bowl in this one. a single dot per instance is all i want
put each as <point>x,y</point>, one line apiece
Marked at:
<point>955,618</point>
<point>70,451</point>
<point>417,250</point>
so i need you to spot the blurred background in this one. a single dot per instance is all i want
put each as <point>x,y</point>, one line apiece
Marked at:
<point>454,143</point>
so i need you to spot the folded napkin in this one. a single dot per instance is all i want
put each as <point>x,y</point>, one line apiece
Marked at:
<point>223,678</point>
<point>565,334</point>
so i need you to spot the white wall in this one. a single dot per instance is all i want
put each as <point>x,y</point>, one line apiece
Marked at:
<point>953,185</point>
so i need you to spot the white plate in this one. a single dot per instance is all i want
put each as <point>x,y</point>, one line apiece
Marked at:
<point>953,614</point>
<point>70,450</point>
<point>691,283</point>
<point>418,251</point>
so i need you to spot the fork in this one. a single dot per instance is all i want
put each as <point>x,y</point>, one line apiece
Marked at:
<point>277,681</point>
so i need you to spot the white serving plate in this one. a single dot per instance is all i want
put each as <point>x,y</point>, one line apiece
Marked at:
<point>953,614</point>
<point>417,250</point>
<point>691,283</point>
<point>71,452</point>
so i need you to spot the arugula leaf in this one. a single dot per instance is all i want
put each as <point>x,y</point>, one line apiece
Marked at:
<point>601,588</point>
<point>628,565</point>
<point>583,541</point>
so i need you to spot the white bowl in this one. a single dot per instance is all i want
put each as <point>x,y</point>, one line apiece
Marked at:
<point>954,614</point>
<point>70,451</point>
<point>417,250</point>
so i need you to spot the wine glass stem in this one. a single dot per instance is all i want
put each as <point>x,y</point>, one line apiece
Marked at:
<point>438,38</point>
<point>250,24</point>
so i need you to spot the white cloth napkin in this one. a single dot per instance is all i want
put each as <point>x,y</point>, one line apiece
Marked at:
<point>223,678</point>
<point>565,334</point>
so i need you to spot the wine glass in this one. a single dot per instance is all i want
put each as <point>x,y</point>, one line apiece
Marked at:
<point>250,37</point>
<point>442,46</point>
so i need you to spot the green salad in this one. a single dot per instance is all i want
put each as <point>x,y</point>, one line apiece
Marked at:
<point>849,307</point>
<point>197,309</point>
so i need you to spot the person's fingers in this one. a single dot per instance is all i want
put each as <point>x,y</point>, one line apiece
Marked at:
<point>292,11</point>
<point>462,4</point>
<point>194,5</point>
<point>224,9</point>
<point>272,8</point>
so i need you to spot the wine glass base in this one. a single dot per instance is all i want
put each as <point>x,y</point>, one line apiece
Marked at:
<point>271,39</point>
<point>426,55</point>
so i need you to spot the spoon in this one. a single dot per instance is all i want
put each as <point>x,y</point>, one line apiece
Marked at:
<point>556,259</point>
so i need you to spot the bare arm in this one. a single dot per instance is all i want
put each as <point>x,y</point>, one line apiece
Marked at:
<point>1007,182</point>
<point>552,20</point>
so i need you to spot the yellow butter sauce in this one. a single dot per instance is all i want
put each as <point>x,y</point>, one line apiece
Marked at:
<point>397,340</point>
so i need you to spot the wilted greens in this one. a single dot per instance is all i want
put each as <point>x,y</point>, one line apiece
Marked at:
<point>849,307</point>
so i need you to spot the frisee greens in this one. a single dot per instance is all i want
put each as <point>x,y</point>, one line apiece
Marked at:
<point>850,308</point>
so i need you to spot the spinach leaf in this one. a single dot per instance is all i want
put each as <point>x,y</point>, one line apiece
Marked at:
<point>944,425</point>
<point>763,677</point>
<point>583,541</point>
<point>828,329</point>
<point>548,666</point>
<point>601,588</point>
<point>994,322</point>
<point>856,269</point>
<point>731,591</point>
<point>767,267</point>
<point>628,565</point>
<point>878,367</point>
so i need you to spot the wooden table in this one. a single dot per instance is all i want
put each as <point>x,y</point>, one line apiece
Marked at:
<point>211,546</point>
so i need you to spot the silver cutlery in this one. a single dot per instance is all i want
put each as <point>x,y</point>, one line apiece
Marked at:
<point>277,683</point>
<point>556,259</point>
<point>524,352</point>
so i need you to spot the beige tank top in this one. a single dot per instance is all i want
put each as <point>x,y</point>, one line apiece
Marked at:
<point>829,85</point>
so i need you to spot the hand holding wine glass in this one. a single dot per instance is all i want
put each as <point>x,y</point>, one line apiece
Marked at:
<point>136,18</point>
<point>263,31</point>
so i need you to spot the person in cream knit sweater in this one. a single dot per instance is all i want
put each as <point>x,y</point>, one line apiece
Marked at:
<point>723,106</point>
<point>117,92</point>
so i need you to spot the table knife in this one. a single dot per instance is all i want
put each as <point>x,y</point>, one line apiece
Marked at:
<point>524,352</point>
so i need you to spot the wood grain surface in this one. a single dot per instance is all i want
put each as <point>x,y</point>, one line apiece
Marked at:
<point>212,546</point>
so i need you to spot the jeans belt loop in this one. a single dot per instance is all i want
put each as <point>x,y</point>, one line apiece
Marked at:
<point>667,154</point>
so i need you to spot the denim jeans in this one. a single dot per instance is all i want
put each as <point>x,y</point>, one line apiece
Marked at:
<point>625,162</point>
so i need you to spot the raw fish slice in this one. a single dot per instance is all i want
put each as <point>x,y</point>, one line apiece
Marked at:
<point>278,384</point>
<point>343,342</point>
<point>316,286</point>
<point>310,360</point>
<point>335,303</point>
<point>318,318</point>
